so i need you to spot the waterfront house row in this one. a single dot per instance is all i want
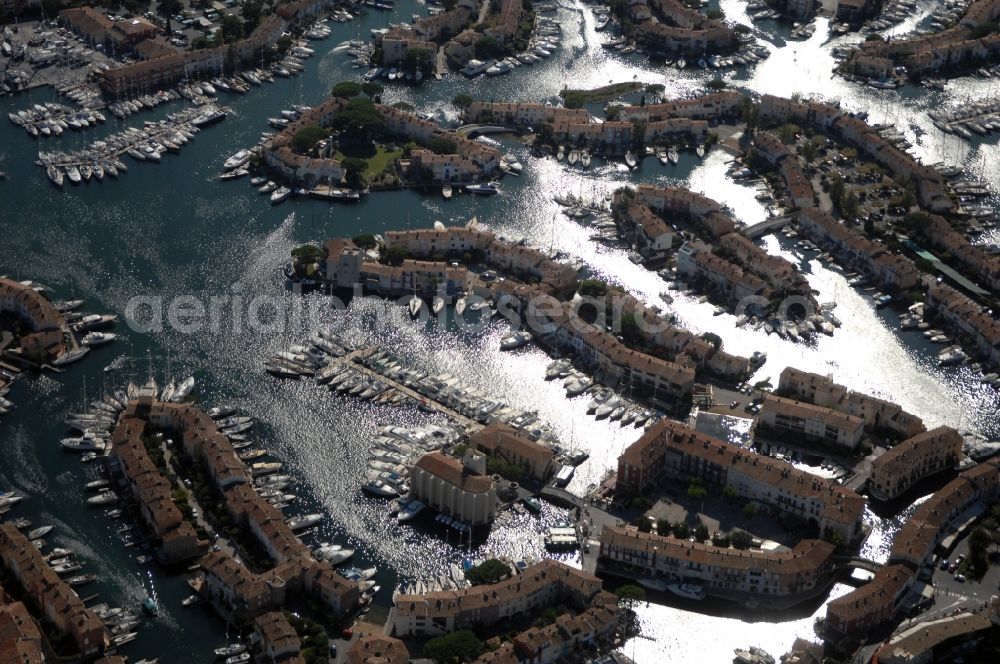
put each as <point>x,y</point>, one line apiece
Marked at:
<point>791,418</point>
<point>689,205</point>
<point>20,638</point>
<point>859,134</point>
<point>892,271</point>
<point>685,30</point>
<point>696,260</point>
<point>544,584</point>
<point>954,45</point>
<point>569,638</point>
<point>879,415</point>
<point>170,66</point>
<point>940,235</point>
<point>773,149</point>
<point>905,464</point>
<point>46,339</point>
<point>235,590</point>
<point>854,615</point>
<point>455,242</point>
<point>671,450</point>
<point>626,550</point>
<point>472,160</point>
<point>52,597</point>
<point>971,319</point>
<point>175,538</point>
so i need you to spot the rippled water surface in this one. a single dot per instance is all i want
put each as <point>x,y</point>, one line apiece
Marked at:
<point>173,229</point>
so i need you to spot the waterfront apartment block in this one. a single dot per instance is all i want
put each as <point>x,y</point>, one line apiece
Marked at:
<point>871,605</point>
<point>544,584</point>
<point>816,423</point>
<point>46,339</point>
<point>459,489</point>
<point>714,106</point>
<point>648,230</point>
<point>936,519</point>
<point>236,591</point>
<point>169,66</point>
<point>940,235</point>
<point>682,29</point>
<point>176,539</point>
<point>53,599</point>
<point>515,447</point>
<point>696,260</point>
<point>966,316</point>
<point>377,649</point>
<point>97,29</point>
<point>773,149</point>
<point>776,573</point>
<point>702,210</point>
<point>619,363</point>
<point>526,114</point>
<point>913,459</point>
<point>778,272</point>
<point>561,641</point>
<point>879,415</point>
<point>890,270</point>
<point>277,639</point>
<point>20,638</point>
<point>472,160</point>
<point>923,642</point>
<point>671,450</point>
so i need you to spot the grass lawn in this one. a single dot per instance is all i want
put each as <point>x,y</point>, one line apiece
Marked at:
<point>577,98</point>
<point>377,162</point>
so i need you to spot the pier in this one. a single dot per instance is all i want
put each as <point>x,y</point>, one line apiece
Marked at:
<point>354,359</point>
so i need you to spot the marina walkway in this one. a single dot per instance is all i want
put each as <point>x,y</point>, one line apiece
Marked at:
<point>354,359</point>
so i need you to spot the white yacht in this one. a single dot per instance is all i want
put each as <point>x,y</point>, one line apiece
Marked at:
<point>687,591</point>
<point>301,522</point>
<point>98,338</point>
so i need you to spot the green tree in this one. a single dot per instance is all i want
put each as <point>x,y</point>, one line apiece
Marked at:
<point>592,287</point>
<point>455,648</point>
<point>366,241</point>
<point>808,151</point>
<point>701,532</point>
<point>749,510</point>
<point>681,530</point>
<point>712,338</point>
<point>715,14</point>
<point>487,47</point>
<point>231,28</point>
<point>461,101</point>
<point>250,13</point>
<point>489,571</point>
<point>168,9</point>
<point>372,89</point>
<point>354,172</point>
<point>629,595</point>
<point>416,58</point>
<point>346,89</point>
<point>307,253</point>
<point>740,539</point>
<point>697,492</point>
<point>360,118</point>
<point>440,145</point>
<point>729,492</point>
<point>716,84</point>
<point>662,527</point>
<point>305,139</point>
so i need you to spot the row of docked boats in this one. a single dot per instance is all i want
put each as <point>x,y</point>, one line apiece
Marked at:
<point>146,144</point>
<point>310,358</point>
<point>126,107</point>
<point>450,392</point>
<point>51,119</point>
<point>972,118</point>
<point>893,13</point>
